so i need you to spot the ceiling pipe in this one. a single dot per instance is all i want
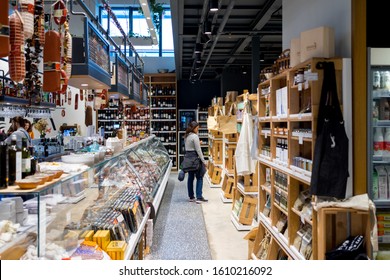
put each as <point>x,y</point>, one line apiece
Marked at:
<point>220,29</point>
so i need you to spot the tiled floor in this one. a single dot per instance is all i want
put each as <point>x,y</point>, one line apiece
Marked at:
<point>188,231</point>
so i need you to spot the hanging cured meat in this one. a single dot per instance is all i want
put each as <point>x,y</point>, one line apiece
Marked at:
<point>16,63</point>
<point>40,21</point>
<point>4,28</point>
<point>51,62</point>
<point>64,82</point>
<point>16,59</point>
<point>27,11</point>
<point>59,12</point>
<point>67,53</point>
<point>16,30</point>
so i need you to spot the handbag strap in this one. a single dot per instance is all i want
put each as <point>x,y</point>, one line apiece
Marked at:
<point>329,107</point>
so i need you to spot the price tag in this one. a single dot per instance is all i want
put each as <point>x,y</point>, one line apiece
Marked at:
<point>299,116</point>
<point>266,135</point>
<point>300,140</point>
<point>300,86</point>
<point>306,84</point>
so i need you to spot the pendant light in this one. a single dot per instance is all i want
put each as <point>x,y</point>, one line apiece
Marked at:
<point>207,27</point>
<point>213,5</point>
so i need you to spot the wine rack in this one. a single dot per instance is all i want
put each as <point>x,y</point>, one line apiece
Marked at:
<point>163,111</point>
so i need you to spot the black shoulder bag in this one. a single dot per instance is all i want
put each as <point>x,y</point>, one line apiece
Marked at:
<point>330,161</point>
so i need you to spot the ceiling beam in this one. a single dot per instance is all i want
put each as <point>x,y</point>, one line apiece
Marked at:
<point>263,17</point>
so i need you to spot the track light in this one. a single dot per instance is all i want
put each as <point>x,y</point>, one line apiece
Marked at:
<point>262,59</point>
<point>198,48</point>
<point>207,27</point>
<point>213,4</point>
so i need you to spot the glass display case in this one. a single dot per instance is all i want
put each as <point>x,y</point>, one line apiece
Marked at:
<point>108,203</point>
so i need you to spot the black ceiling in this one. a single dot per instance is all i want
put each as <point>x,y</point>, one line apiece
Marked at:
<point>230,44</point>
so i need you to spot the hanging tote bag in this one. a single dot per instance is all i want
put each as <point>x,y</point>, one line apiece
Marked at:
<point>227,124</point>
<point>245,165</point>
<point>212,121</point>
<point>330,161</point>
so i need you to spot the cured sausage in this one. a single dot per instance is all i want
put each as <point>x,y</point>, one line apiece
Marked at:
<point>16,30</point>
<point>27,11</point>
<point>67,53</point>
<point>16,59</point>
<point>4,29</point>
<point>59,12</point>
<point>64,82</point>
<point>51,62</point>
<point>17,64</point>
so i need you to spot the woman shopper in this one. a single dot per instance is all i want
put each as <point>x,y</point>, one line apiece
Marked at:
<point>28,128</point>
<point>192,147</point>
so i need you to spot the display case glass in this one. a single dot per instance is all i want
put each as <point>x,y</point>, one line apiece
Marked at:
<point>109,201</point>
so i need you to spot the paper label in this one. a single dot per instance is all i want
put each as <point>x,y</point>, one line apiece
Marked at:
<point>299,86</point>
<point>18,175</point>
<point>300,140</point>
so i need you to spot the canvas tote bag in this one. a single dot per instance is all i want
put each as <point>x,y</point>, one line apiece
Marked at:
<point>212,121</point>
<point>245,165</point>
<point>227,124</point>
<point>330,162</point>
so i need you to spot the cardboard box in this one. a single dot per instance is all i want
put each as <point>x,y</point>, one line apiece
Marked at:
<point>295,51</point>
<point>317,42</point>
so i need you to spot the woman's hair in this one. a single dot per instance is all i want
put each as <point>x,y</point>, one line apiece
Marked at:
<point>26,121</point>
<point>190,128</point>
<point>19,120</point>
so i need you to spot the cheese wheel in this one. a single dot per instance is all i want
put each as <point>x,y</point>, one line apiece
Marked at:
<point>4,29</point>
<point>27,8</point>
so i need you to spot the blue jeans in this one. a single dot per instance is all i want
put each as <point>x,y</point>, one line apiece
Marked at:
<point>190,184</point>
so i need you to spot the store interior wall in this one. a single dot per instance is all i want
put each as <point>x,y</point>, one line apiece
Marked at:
<point>233,79</point>
<point>300,15</point>
<point>378,21</point>
<point>201,92</point>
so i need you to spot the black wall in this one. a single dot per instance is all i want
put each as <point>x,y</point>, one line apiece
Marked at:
<point>378,24</point>
<point>201,92</point>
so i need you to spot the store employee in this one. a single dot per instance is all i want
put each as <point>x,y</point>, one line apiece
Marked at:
<point>17,127</point>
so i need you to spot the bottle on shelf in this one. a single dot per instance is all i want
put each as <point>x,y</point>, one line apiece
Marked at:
<point>14,161</point>
<point>378,142</point>
<point>3,166</point>
<point>26,159</point>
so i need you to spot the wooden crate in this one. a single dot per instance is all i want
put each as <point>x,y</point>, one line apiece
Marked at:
<point>231,137</point>
<point>248,210</point>
<point>216,177</point>
<point>216,134</point>
<point>334,225</point>
<point>229,157</point>
<point>250,182</point>
<point>217,152</point>
<point>229,188</point>
<point>210,168</point>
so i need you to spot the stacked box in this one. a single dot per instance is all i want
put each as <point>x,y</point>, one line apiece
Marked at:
<point>102,238</point>
<point>116,249</point>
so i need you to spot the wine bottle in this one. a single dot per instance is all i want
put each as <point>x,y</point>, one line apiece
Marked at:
<point>26,159</point>
<point>3,166</point>
<point>14,162</point>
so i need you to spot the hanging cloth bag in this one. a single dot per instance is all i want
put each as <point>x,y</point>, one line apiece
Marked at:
<point>227,124</point>
<point>330,162</point>
<point>212,121</point>
<point>245,165</point>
